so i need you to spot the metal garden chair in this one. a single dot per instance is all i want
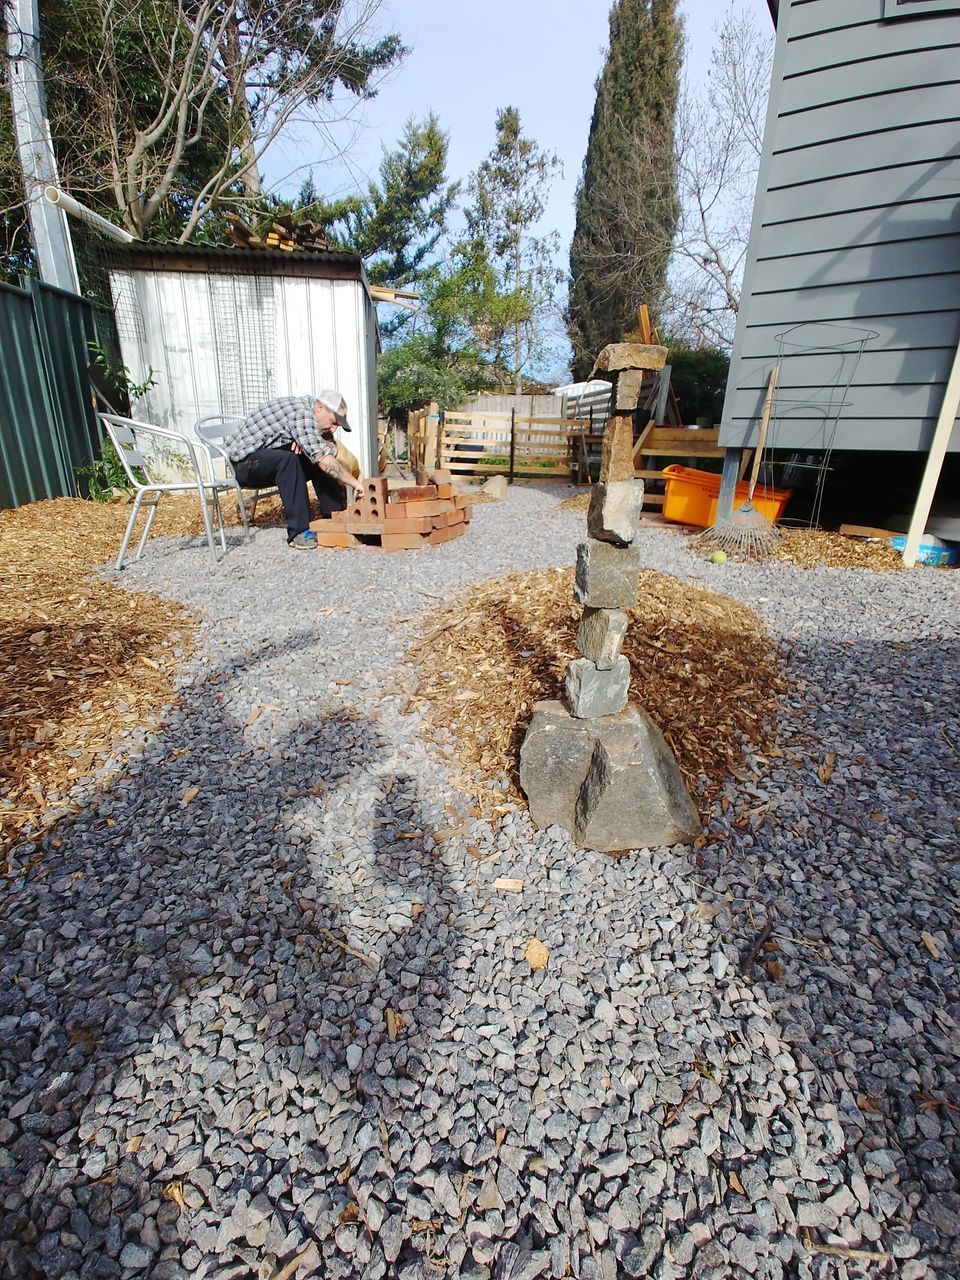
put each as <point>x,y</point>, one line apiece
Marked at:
<point>212,431</point>
<point>145,450</point>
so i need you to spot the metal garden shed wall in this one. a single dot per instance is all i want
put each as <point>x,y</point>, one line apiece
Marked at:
<point>856,223</point>
<point>226,329</point>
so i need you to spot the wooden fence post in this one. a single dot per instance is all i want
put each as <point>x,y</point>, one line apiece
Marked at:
<point>513,442</point>
<point>441,427</point>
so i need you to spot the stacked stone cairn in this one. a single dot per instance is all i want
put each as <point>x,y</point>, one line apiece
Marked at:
<point>597,766</point>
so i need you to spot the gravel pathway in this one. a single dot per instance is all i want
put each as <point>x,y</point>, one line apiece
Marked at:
<point>198,1078</point>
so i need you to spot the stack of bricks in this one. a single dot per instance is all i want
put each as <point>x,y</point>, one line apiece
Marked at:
<point>405,519</point>
<point>608,567</point>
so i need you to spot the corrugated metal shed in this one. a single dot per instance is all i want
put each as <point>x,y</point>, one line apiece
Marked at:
<point>857,224</point>
<point>226,329</point>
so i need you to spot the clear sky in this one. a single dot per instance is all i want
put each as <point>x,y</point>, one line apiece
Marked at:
<point>469,59</point>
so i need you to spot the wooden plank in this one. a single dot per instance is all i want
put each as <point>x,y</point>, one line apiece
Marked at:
<point>638,448</point>
<point>842,156</point>
<point>454,416</point>
<point>911,183</point>
<point>835,86</point>
<point>853,46</point>
<point>545,421</point>
<point>643,325</point>
<point>680,435</point>
<point>871,298</point>
<point>867,531</point>
<point>848,231</point>
<point>691,450</point>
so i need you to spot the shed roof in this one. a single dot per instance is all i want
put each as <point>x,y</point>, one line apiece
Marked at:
<point>323,264</point>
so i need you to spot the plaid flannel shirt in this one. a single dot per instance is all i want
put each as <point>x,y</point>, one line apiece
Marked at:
<point>277,424</point>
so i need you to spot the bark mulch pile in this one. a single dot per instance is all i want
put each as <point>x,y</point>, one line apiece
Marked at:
<point>702,666</point>
<point>82,661</point>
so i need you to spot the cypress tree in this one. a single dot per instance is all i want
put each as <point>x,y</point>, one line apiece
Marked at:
<point>627,194</point>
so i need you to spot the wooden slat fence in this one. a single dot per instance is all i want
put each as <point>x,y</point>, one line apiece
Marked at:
<point>510,444</point>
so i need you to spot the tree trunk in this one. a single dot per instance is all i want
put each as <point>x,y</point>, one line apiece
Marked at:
<point>233,66</point>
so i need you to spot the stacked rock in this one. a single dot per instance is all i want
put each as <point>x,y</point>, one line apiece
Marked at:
<point>598,767</point>
<point>608,569</point>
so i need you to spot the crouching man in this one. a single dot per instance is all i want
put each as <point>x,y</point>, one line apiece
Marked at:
<point>287,442</point>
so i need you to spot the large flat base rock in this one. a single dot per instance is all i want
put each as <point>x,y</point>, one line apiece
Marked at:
<point>613,783</point>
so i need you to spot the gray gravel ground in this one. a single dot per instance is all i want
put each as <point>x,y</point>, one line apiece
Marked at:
<point>173,1010</point>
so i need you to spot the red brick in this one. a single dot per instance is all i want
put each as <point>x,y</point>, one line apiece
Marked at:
<point>366,525</point>
<point>423,525</point>
<point>327,537</point>
<point>395,510</point>
<point>439,475</point>
<point>339,516</point>
<point>444,535</point>
<point>463,501</point>
<point>415,493</point>
<point>448,518</point>
<point>445,489</point>
<point>403,541</point>
<point>375,490</point>
<point>436,508</point>
<point>370,508</point>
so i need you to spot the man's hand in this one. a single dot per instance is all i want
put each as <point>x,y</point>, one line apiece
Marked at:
<point>294,447</point>
<point>329,464</point>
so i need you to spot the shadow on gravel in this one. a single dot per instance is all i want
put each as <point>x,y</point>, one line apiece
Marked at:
<point>173,1008</point>
<point>857,867</point>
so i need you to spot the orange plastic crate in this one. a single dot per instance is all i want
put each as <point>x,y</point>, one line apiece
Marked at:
<point>691,497</point>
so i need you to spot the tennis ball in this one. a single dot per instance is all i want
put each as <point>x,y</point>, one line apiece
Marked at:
<point>718,557</point>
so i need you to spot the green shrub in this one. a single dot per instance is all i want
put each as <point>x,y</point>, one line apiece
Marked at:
<point>699,381</point>
<point>105,475</point>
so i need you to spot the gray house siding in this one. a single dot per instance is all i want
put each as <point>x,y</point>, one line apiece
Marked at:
<point>856,225</point>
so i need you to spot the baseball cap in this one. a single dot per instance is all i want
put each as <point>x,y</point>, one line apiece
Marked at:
<point>335,402</point>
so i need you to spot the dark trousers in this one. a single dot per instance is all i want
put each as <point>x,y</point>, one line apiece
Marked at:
<point>290,472</point>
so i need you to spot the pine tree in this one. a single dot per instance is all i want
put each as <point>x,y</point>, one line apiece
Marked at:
<point>507,199</point>
<point>397,225</point>
<point>618,259</point>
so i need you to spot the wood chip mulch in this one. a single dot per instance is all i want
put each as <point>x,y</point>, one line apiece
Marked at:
<point>701,665</point>
<point>807,548</point>
<point>82,661</point>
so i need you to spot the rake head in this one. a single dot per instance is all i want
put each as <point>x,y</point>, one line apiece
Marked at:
<point>747,535</point>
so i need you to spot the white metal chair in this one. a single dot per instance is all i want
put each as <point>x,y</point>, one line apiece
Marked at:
<point>147,449</point>
<point>212,431</point>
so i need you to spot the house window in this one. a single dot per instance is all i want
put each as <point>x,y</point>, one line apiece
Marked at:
<point>918,8</point>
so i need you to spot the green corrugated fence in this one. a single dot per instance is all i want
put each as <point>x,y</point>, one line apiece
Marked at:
<point>47,421</point>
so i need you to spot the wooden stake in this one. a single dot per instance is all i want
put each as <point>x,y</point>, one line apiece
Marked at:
<point>931,474</point>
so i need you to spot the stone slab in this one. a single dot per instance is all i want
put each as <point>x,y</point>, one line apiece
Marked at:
<point>592,691</point>
<point>607,577</point>
<point>612,783</point>
<point>616,458</point>
<point>627,390</point>
<point>600,636</point>
<point>614,512</point>
<point>630,355</point>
